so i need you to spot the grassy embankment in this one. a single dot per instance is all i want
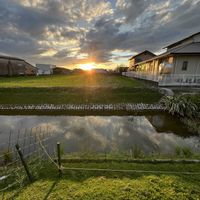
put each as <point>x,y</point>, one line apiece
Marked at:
<point>79,185</point>
<point>77,89</point>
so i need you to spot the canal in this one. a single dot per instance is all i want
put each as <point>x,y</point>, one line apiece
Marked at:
<point>158,133</point>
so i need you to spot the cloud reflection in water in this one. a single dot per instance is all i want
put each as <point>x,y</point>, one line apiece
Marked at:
<point>109,133</point>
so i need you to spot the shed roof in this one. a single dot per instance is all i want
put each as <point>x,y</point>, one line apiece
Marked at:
<point>10,58</point>
<point>193,48</point>
<point>182,40</point>
<point>15,58</point>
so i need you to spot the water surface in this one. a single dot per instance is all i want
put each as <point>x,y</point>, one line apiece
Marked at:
<point>153,133</point>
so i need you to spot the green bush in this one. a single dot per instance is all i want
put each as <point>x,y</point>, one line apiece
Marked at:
<point>182,105</point>
<point>137,152</point>
<point>187,152</point>
<point>178,151</point>
<point>183,152</point>
<point>193,125</point>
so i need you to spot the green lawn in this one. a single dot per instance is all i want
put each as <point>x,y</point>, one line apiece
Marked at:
<point>77,95</point>
<point>77,185</point>
<point>76,80</point>
<point>78,89</point>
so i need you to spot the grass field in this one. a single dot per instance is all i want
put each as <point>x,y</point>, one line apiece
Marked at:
<point>77,185</point>
<point>77,95</point>
<point>82,88</point>
<point>75,81</point>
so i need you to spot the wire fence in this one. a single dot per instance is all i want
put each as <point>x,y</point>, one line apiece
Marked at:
<point>35,145</point>
<point>23,153</point>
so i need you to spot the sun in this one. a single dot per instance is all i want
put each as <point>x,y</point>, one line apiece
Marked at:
<point>87,66</point>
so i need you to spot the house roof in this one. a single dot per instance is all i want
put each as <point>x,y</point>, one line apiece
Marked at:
<point>10,58</point>
<point>193,48</point>
<point>180,41</point>
<point>15,58</point>
<point>146,51</point>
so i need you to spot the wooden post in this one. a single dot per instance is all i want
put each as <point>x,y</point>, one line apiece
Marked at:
<point>59,158</point>
<point>24,163</point>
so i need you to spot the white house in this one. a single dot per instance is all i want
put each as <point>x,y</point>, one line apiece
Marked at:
<point>45,69</point>
<point>178,66</point>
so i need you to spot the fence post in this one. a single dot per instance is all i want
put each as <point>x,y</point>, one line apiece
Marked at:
<point>24,163</point>
<point>59,158</point>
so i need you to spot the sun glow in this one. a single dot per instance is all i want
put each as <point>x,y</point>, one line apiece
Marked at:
<point>87,66</point>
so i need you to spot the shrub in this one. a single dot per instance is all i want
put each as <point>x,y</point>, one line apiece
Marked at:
<point>193,125</point>
<point>187,152</point>
<point>182,105</point>
<point>137,152</point>
<point>178,151</point>
<point>183,152</point>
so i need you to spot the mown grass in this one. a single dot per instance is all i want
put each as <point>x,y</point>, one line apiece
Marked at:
<point>77,89</point>
<point>81,185</point>
<point>74,80</point>
<point>77,95</point>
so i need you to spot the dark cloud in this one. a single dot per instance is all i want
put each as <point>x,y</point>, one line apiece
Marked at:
<point>132,9</point>
<point>152,29</point>
<point>62,53</point>
<point>102,39</point>
<point>92,27</point>
<point>32,20</point>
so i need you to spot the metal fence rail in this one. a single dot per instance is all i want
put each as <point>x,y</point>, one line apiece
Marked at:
<point>167,79</point>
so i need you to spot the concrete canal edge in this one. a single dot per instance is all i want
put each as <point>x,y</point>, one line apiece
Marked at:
<point>91,107</point>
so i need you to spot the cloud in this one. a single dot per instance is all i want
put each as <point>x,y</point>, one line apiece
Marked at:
<point>102,39</point>
<point>73,10</point>
<point>155,25</point>
<point>62,53</point>
<point>65,32</point>
<point>132,8</point>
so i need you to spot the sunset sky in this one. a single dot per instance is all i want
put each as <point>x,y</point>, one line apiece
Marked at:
<point>103,33</point>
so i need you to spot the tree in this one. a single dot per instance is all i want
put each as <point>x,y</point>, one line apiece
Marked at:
<point>121,68</point>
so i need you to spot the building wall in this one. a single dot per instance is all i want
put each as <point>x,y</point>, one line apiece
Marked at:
<point>151,67</point>
<point>3,67</point>
<point>30,70</point>
<point>45,69</point>
<point>193,67</point>
<point>131,62</point>
<point>11,67</point>
<point>44,72</point>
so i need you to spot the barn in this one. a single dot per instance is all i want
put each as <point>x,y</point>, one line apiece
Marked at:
<point>12,66</point>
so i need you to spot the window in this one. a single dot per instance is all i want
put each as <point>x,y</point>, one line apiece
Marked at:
<point>184,66</point>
